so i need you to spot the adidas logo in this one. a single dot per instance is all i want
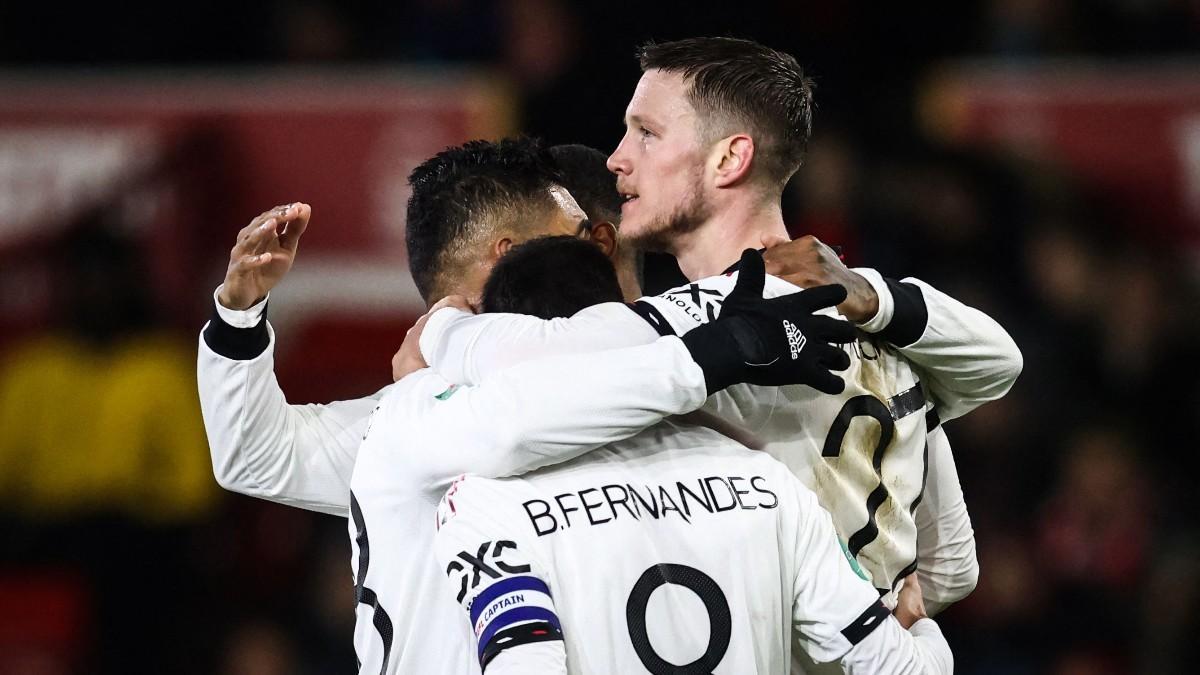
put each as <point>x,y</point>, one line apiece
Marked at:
<point>796,339</point>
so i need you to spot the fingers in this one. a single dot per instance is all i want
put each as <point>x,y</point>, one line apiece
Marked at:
<point>295,221</point>
<point>286,220</point>
<point>910,606</point>
<point>752,275</point>
<point>827,382</point>
<point>832,331</point>
<point>458,302</point>
<point>418,325</point>
<point>820,297</point>
<point>773,240</point>
<point>254,238</point>
<point>912,585</point>
<point>802,305</point>
<point>831,358</point>
<point>247,263</point>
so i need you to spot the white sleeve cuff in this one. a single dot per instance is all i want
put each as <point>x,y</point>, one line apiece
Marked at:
<point>240,318</point>
<point>925,626</point>
<point>937,656</point>
<point>431,336</point>
<point>887,304</point>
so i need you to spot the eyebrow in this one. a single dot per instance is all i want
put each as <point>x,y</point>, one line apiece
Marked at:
<point>638,119</point>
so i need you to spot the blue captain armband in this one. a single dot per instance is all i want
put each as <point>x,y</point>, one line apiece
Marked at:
<point>513,611</point>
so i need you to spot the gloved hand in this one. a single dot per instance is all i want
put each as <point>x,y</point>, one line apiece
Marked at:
<point>772,342</point>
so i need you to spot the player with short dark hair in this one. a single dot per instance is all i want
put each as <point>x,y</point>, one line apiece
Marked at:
<point>738,85</point>
<point>714,130</point>
<point>479,191</point>
<point>585,174</point>
<point>580,275</point>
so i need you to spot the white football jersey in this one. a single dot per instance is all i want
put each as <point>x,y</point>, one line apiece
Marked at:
<point>677,550</point>
<point>426,431</point>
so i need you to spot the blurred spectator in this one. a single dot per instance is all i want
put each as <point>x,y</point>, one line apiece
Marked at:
<point>1096,527</point>
<point>100,415</point>
<point>259,648</point>
<point>103,462</point>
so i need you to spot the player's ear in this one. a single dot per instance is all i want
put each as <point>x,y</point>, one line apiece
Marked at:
<point>604,235</point>
<point>501,247</point>
<point>734,156</point>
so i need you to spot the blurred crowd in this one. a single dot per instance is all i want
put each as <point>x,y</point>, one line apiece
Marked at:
<point>120,555</point>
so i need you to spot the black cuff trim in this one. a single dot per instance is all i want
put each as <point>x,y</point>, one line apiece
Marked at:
<point>652,316</point>
<point>932,420</point>
<point>237,344</point>
<point>866,622</point>
<point>910,316</point>
<point>523,634</point>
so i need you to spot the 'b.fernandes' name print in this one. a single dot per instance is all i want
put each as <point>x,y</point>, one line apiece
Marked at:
<point>682,500</point>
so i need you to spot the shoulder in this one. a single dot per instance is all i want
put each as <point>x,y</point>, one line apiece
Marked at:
<point>685,307</point>
<point>605,312</point>
<point>400,405</point>
<point>773,472</point>
<point>479,502</point>
<point>414,393</point>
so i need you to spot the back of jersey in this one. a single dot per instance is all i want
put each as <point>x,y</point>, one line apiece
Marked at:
<point>675,549</point>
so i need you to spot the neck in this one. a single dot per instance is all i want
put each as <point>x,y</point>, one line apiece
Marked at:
<point>719,241</point>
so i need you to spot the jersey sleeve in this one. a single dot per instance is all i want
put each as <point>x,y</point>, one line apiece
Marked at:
<point>540,413</point>
<point>503,589</point>
<point>466,348</point>
<point>964,356</point>
<point>298,455</point>
<point>838,615</point>
<point>891,650</point>
<point>833,605</point>
<point>947,566</point>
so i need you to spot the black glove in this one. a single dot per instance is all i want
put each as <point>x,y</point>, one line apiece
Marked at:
<point>772,342</point>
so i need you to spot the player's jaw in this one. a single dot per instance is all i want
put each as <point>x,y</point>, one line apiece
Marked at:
<point>661,229</point>
<point>629,203</point>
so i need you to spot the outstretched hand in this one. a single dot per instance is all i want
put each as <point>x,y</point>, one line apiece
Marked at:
<point>263,254</point>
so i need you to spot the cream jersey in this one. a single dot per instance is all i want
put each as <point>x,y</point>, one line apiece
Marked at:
<point>677,550</point>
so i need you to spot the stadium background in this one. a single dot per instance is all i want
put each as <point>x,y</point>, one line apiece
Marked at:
<point>1037,158</point>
